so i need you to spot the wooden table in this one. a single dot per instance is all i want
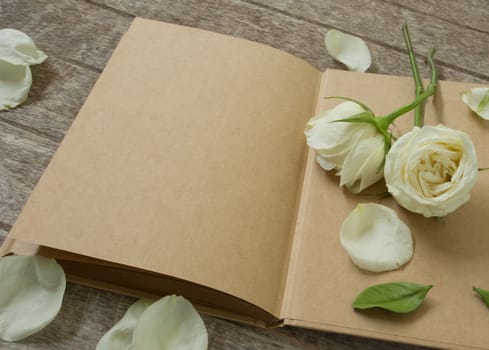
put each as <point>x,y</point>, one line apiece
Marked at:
<point>79,37</point>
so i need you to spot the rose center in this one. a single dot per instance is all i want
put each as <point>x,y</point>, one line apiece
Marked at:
<point>434,172</point>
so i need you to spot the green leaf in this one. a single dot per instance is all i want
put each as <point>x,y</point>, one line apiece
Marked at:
<point>484,294</point>
<point>401,297</point>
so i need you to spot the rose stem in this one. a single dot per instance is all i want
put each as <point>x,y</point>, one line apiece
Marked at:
<point>384,122</point>
<point>419,89</point>
<point>431,62</point>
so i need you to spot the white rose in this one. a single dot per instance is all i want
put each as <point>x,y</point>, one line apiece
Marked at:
<point>356,150</point>
<point>431,170</point>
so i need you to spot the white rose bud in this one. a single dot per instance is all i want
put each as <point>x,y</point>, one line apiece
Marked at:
<point>356,150</point>
<point>431,170</point>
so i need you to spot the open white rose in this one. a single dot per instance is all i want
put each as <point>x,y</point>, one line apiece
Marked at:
<point>356,150</point>
<point>431,170</point>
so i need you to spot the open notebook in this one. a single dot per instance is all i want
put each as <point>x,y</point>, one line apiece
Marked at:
<point>186,171</point>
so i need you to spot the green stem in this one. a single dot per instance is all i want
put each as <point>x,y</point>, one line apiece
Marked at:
<point>419,89</point>
<point>431,62</point>
<point>384,122</point>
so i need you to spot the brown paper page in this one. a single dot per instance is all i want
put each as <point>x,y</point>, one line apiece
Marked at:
<point>184,161</point>
<point>453,256</point>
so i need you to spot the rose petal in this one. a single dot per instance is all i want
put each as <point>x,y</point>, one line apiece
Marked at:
<point>348,49</point>
<point>321,133</point>
<point>478,101</point>
<point>121,335</point>
<point>375,238</point>
<point>325,163</point>
<point>17,48</point>
<point>31,293</point>
<point>15,83</point>
<point>170,323</point>
<point>362,167</point>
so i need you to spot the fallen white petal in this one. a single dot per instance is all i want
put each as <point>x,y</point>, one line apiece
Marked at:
<point>478,101</point>
<point>170,323</point>
<point>348,49</point>
<point>17,48</point>
<point>15,83</point>
<point>375,238</point>
<point>121,335</point>
<point>31,293</point>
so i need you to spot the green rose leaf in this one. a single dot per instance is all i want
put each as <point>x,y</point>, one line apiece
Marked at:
<point>400,297</point>
<point>484,294</point>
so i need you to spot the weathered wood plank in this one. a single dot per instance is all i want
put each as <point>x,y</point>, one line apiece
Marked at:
<point>24,157</point>
<point>458,46</point>
<point>57,94</point>
<point>468,13</point>
<point>30,134</point>
<point>72,30</point>
<point>77,50</point>
<point>3,233</point>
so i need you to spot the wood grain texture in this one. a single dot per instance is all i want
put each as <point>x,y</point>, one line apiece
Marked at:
<point>25,155</point>
<point>458,46</point>
<point>79,37</point>
<point>468,13</point>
